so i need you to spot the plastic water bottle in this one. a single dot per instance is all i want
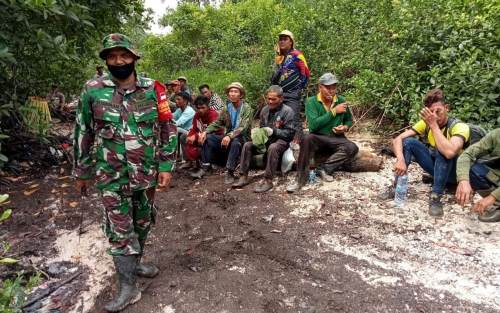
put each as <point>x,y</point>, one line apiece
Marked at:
<point>312,177</point>
<point>401,190</point>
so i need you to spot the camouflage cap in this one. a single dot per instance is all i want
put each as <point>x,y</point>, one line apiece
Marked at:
<point>117,41</point>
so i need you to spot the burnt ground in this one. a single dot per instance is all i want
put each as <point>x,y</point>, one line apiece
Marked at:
<point>222,250</point>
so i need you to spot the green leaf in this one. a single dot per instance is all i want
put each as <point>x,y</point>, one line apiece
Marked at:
<point>8,261</point>
<point>5,215</point>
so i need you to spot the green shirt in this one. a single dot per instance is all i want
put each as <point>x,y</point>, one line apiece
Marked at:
<point>321,121</point>
<point>486,148</point>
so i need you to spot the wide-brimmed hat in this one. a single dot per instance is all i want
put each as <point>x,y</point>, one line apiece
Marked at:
<point>328,79</point>
<point>289,34</point>
<point>117,41</point>
<point>182,78</point>
<point>237,85</point>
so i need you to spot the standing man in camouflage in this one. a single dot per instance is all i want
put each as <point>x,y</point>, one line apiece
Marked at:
<point>127,117</point>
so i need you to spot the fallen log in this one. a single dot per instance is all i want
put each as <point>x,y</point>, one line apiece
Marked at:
<point>364,161</point>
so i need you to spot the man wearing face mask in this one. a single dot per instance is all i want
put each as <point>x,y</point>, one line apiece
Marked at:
<point>127,118</point>
<point>329,118</point>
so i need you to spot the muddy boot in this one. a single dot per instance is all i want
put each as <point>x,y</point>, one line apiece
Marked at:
<point>128,292</point>
<point>229,178</point>
<point>242,182</point>
<point>266,186</point>
<point>324,175</point>
<point>435,205</point>
<point>491,215</point>
<point>297,185</point>
<point>202,171</point>
<point>146,270</point>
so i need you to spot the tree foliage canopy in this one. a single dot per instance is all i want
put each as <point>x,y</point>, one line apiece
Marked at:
<point>386,53</point>
<point>44,42</point>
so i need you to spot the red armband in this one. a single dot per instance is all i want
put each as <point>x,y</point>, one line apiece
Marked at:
<point>164,113</point>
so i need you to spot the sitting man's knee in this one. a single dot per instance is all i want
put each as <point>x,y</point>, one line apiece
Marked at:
<point>352,149</point>
<point>409,141</point>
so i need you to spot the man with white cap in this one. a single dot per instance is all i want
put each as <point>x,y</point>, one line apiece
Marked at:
<point>292,74</point>
<point>329,118</point>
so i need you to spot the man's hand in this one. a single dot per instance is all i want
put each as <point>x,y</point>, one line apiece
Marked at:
<point>164,179</point>
<point>339,130</point>
<point>81,185</point>
<point>464,192</point>
<point>341,108</point>
<point>225,141</point>
<point>400,168</point>
<point>202,137</point>
<point>191,139</point>
<point>429,118</point>
<point>483,204</point>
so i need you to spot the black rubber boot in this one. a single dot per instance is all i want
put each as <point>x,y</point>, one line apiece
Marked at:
<point>128,292</point>
<point>435,205</point>
<point>146,270</point>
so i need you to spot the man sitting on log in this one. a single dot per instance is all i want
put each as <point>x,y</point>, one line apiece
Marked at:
<point>271,138</point>
<point>438,151</point>
<point>482,176</point>
<point>329,118</point>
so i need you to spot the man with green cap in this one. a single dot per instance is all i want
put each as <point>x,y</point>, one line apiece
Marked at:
<point>127,118</point>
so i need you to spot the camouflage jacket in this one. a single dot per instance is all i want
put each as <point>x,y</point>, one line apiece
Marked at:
<point>224,122</point>
<point>131,145</point>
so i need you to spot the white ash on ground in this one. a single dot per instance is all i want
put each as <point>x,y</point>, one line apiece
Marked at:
<point>455,253</point>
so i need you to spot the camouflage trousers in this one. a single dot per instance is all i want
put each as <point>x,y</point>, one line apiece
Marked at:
<point>127,220</point>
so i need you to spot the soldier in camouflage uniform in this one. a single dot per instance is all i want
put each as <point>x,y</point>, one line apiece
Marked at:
<point>126,116</point>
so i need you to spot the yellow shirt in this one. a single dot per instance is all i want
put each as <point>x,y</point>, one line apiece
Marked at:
<point>459,129</point>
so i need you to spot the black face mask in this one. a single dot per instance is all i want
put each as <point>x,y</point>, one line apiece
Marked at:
<point>121,71</point>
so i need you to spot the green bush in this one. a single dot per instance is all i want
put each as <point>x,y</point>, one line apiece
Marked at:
<point>386,53</point>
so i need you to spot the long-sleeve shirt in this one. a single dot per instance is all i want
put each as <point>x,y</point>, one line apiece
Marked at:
<point>132,144</point>
<point>280,120</point>
<point>487,148</point>
<point>200,123</point>
<point>292,73</point>
<point>321,120</point>
<point>184,119</point>
<point>243,124</point>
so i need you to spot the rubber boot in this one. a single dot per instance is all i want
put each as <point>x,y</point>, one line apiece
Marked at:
<point>146,270</point>
<point>492,214</point>
<point>128,292</point>
<point>435,205</point>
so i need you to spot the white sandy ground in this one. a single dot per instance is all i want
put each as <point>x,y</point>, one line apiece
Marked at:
<point>456,253</point>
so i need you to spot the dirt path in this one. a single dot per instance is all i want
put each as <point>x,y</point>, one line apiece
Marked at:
<point>332,248</point>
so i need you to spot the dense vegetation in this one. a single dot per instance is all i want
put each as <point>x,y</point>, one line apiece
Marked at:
<point>387,53</point>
